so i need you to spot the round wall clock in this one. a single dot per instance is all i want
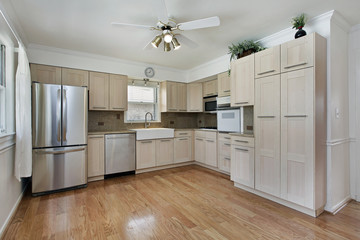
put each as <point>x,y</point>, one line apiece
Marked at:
<point>149,72</point>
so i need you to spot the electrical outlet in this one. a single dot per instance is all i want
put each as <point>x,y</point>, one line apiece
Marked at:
<point>101,124</point>
<point>250,128</point>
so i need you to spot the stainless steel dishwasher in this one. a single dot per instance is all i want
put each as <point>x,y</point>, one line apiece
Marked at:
<point>119,153</point>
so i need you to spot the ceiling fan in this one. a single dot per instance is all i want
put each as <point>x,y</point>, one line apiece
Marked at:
<point>169,29</point>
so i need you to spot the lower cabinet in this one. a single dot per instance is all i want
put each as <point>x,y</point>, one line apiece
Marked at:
<point>182,149</point>
<point>206,147</point>
<point>211,152</point>
<point>242,160</point>
<point>164,152</point>
<point>153,153</point>
<point>96,156</point>
<point>224,148</point>
<point>199,149</point>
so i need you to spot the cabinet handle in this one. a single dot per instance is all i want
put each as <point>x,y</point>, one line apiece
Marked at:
<point>146,142</point>
<point>183,110</point>
<point>226,158</point>
<point>241,102</point>
<point>182,139</point>
<point>118,108</point>
<point>165,140</point>
<point>241,149</point>
<point>295,65</point>
<point>261,73</point>
<point>226,91</point>
<point>210,140</point>
<point>242,141</point>
<point>183,133</point>
<point>226,137</point>
<point>96,136</point>
<point>99,107</point>
<point>199,139</point>
<point>266,116</point>
<point>291,116</point>
<point>172,109</point>
<point>226,144</point>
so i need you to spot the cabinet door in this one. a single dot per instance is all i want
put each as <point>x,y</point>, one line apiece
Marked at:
<point>223,84</point>
<point>242,81</point>
<point>118,92</point>
<point>267,134</point>
<point>242,165</point>
<point>145,154</point>
<point>267,62</point>
<point>99,91</point>
<point>297,137</point>
<point>199,150</point>
<point>182,150</point>
<point>182,97</point>
<point>210,88</point>
<point>224,163</point>
<point>45,74</point>
<point>211,152</point>
<point>194,96</point>
<point>172,96</point>
<point>297,54</point>
<point>96,155</point>
<point>164,152</point>
<point>74,77</point>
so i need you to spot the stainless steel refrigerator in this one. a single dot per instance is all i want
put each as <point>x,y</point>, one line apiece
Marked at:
<point>59,132</point>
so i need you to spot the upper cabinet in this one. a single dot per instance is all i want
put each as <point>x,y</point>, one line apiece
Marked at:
<point>210,88</point>
<point>298,53</point>
<point>45,74</point>
<point>173,97</point>
<point>223,84</point>
<point>74,77</point>
<point>242,81</point>
<point>107,92</point>
<point>267,62</point>
<point>194,96</point>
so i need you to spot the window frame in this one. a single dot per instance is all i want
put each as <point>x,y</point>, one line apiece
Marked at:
<point>2,89</point>
<point>156,104</point>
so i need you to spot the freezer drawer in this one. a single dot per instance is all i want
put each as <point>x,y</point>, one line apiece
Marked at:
<point>119,153</point>
<point>58,168</point>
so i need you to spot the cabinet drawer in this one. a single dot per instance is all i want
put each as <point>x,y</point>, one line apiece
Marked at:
<point>224,149</point>
<point>183,133</point>
<point>210,135</point>
<point>225,163</point>
<point>224,137</point>
<point>242,141</point>
<point>200,134</point>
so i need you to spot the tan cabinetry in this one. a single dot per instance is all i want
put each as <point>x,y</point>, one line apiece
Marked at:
<point>107,92</point>
<point>96,157</point>
<point>242,81</point>
<point>224,147</point>
<point>267,62</point>
<point>74,77</point>
<point>45,74</point>
<point>173,97</point>
<point>194,97</point>
<point>242,160</point>
<point>267,134</point>
<point>182,146</point>
<point>223,84</point>
<point>206,147</point>
<point>164,152</point>
<point>210,88</point>
<point>145,154</point>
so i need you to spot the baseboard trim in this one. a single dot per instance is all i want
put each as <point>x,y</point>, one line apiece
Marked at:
<point>212,168</point>
<point>335,209</point>
<point>163,167</point>
<point>96,178</point>
<point>311,212</point>
<point>13,211</point>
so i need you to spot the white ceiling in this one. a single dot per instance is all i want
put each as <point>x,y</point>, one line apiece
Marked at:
<point>84,25</point>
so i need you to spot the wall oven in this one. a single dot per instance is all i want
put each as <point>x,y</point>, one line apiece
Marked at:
<point>210,104</point>
<point>229,119</point>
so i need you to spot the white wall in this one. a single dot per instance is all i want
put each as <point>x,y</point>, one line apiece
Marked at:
<point>10,189</point>
<point>354,106</point>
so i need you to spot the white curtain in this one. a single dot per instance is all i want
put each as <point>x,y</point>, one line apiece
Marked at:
<point>23,157</point>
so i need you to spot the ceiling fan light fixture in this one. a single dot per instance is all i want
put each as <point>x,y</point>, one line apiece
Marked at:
<point>167,47</point>
<point>167,36</point>
<point>175,43</point>
<point>156,42</point>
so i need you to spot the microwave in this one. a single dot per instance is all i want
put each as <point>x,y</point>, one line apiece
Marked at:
<point>230,120</point>
<point>210,104</point>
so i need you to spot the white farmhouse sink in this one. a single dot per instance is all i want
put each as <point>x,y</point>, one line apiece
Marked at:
<point>153,133</point>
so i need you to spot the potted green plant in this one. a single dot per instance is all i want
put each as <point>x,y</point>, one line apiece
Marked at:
<point>244,48</point>
<point>298,23</point>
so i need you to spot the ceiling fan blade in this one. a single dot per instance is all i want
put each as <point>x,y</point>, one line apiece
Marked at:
<point>160,10</point>
<point>148,46</point>
<point>186,41</point>
<point>201,23</point>
<point>131,25</point>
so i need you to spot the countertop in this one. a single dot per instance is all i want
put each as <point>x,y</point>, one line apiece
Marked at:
<point>112,132</point>
<point>242,134</point>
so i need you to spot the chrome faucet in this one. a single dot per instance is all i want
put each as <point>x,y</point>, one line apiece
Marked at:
<point>152,119</point>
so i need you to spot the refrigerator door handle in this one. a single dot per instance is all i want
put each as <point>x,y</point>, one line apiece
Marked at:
<point>60,152</point>
<point>64,116</point>
<point>58,115</point>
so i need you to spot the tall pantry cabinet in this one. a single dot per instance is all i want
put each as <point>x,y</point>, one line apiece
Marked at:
<point>290,124</point>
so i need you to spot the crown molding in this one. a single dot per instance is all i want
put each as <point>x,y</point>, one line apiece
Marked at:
<point>338,19</point>
<point>355,28</point>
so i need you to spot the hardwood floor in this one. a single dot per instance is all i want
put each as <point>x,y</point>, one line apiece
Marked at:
<point>182,203</point>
